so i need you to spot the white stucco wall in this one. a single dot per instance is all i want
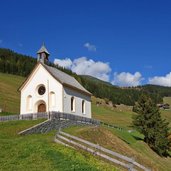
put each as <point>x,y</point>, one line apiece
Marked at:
<point>78,96</point>
<point>41,76</point>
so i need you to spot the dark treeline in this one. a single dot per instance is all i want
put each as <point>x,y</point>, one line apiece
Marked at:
<point>154,89</point>
<point>14,63</point>
<point>127,95</point>
<point>18,64</point>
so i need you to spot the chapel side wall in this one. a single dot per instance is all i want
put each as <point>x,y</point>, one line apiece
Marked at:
<point>22,103</point>
<point>68,93</point>
<point>41,76</point>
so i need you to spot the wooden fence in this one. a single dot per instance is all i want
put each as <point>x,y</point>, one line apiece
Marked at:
<point>50,115</point>
<point>126,162</point>
<point>66,116</point>
<point>30,116</point>
<point>112,126</point>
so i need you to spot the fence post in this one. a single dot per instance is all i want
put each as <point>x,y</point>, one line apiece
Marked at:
<point>59,130</point>
<point>34,116</point>
<point>131,167</point>
<point>20,118</point>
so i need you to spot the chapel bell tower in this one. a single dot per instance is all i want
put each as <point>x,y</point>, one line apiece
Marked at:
<point>43,54</point>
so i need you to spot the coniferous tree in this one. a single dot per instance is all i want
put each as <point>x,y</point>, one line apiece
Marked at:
<point>148,121</point>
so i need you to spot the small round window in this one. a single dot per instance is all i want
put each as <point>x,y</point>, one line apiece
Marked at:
<point>41,90</point>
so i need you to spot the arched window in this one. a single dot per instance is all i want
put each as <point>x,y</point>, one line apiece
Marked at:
<point>29,103</point>
<point>72,104</point>
<point>52,99</point>
<point>83,106</point>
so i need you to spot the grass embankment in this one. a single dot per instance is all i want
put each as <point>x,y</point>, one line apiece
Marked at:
<point>39,152</point>
<point>122,116</point>
<point>9,96</point>
<point>129,144</point>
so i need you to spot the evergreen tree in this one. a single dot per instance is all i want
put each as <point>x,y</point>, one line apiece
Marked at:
<point>148,121</point>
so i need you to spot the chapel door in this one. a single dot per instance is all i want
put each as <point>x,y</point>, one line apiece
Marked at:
<point>42,107</point>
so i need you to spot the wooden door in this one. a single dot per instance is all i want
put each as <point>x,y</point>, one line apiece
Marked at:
<point>42,107</point>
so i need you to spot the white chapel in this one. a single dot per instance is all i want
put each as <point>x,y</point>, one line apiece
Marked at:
<point>49,89</point>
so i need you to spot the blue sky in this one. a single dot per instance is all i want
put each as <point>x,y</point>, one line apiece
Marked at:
<point>126,42</point>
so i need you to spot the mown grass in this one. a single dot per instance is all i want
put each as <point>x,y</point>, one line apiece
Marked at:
<point>118,118</point>
<point>9,96</point>
<point>122,117</point>
<point>167,100</point>
<point>167,113</point>
<point>39,152</point>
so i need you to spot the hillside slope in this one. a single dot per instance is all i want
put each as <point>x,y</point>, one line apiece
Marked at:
<point>9,96</point>
<point>39,152</point>
<point>95,80</point>
<point>14,63</point>
<point>121,116</point>
<point>123,142</point>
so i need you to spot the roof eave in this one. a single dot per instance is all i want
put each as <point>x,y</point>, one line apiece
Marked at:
<point>38,52</point>
<point>75,88</point>
<point>64,84</point>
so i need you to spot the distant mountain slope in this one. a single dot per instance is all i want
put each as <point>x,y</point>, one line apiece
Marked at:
<point>95,80</point>
<point>18,64</point>
<point>126,95</point>
<point>163,91</point>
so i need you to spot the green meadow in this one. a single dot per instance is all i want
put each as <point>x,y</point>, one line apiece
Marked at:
<point>9,96</point>
<point>39,152</point>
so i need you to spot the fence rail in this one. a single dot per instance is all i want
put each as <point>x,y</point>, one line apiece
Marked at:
<point>130,162</point>
<point>51,115</point>
<point>66,116</point>
<point>9,117</point>
<point>94,152</point>
<point>30,116</point>
<point>112,126</point>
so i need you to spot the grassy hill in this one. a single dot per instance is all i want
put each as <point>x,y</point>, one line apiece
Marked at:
<point>9,96</point>
<point>124,142</point>
<point>21,150</point>
<point>122,115</point>
<point>39,152</point>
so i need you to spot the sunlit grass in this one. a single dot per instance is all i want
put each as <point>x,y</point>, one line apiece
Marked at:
<point>9,96</point>
<point>40,152</point>
<point>129,143</point>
